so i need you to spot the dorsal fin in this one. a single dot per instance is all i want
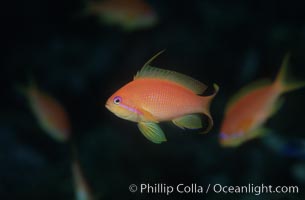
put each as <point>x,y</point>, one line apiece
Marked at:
<point>243,91</point>
<point>148,71</point>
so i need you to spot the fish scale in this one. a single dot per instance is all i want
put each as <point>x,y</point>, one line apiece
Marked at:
<point>166,100</point>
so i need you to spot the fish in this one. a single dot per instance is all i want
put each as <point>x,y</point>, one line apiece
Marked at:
<point>51,115</point>
<point>253,105</point>
<point>157,95</point>
<point>130,15</point>
<point>82,189</point>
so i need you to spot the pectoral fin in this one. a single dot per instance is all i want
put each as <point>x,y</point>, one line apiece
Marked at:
<point>152,132</point>
<point>189,121</point>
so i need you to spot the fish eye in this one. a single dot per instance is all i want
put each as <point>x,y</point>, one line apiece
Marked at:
<point>117,100</point>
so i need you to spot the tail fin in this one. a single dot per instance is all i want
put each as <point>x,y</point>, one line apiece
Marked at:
<point>282,81</point>
<point>206,107</point>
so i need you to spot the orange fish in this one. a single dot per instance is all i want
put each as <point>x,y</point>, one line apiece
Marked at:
<point>129,14</point>
<point>50,114</point>
<point>252,106</point>
<point>156,95</point>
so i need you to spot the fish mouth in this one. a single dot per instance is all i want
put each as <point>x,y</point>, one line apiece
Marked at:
<point>107,106</point>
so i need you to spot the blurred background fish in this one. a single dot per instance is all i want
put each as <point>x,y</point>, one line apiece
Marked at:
<point>130,15</point>
<point>49,113</point>
<point>252,106</point>
<point>54,120</point>
<point>82,189</point>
